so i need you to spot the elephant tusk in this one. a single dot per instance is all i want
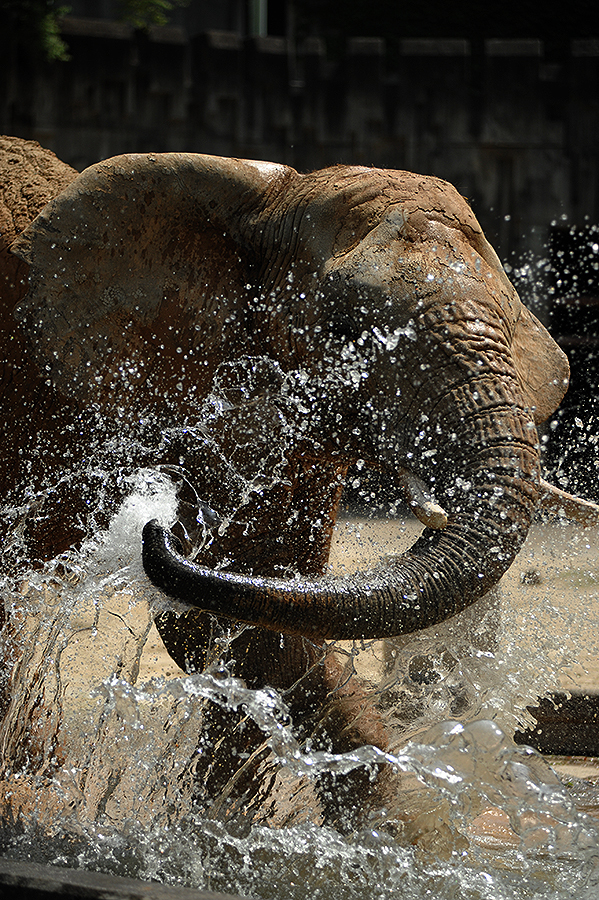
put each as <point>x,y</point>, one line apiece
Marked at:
<point>430,514</point>
<point>560,502</point>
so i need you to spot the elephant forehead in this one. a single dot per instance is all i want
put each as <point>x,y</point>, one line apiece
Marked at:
<point>400,202</point>
<point>411,222</point>
<point>446,265</point>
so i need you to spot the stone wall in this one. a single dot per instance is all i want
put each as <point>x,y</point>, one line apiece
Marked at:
<point>517,132</point>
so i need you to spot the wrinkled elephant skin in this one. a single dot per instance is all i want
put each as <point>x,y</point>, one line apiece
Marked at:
<point>398,341</point>
<point>382,302</point>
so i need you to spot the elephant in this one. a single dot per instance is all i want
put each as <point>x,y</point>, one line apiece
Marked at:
<point>367,312</point>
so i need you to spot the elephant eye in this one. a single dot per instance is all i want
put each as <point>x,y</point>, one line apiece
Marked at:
<point>344,326</point>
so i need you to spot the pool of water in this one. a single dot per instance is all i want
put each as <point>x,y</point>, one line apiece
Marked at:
<point>100,736</point>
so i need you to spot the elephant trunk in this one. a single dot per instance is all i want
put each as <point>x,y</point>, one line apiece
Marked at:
<point>490,509</point>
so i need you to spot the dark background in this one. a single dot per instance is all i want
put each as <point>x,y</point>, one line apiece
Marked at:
<point>501,99</point>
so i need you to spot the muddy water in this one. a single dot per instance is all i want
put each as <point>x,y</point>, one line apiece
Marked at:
<point>100,736</point>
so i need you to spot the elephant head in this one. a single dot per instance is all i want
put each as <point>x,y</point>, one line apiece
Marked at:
<point>402,343</point>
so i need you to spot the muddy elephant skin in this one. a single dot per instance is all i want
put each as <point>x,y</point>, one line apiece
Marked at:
<point>388,335</point>
<point>30,176</point>
<point>400,340</point>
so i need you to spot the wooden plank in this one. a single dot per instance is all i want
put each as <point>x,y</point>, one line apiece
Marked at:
<point>21,880</point>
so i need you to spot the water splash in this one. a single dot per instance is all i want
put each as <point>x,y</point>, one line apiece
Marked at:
<point>101,734</point>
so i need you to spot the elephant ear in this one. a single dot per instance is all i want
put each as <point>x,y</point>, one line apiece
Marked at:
<point>543,369</point>
<point>142,261</point>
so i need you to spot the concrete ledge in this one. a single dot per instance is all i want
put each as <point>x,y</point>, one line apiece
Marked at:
<point>31,881</point>
<point>105,29</point>
<point>223,40</point>
<point>586,47</point>
<point>513,47</point>
<point>434,47</point>
<point>269,44</point>
<point>366,46</point>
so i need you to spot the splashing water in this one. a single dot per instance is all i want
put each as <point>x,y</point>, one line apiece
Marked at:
<point>100,737</point>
